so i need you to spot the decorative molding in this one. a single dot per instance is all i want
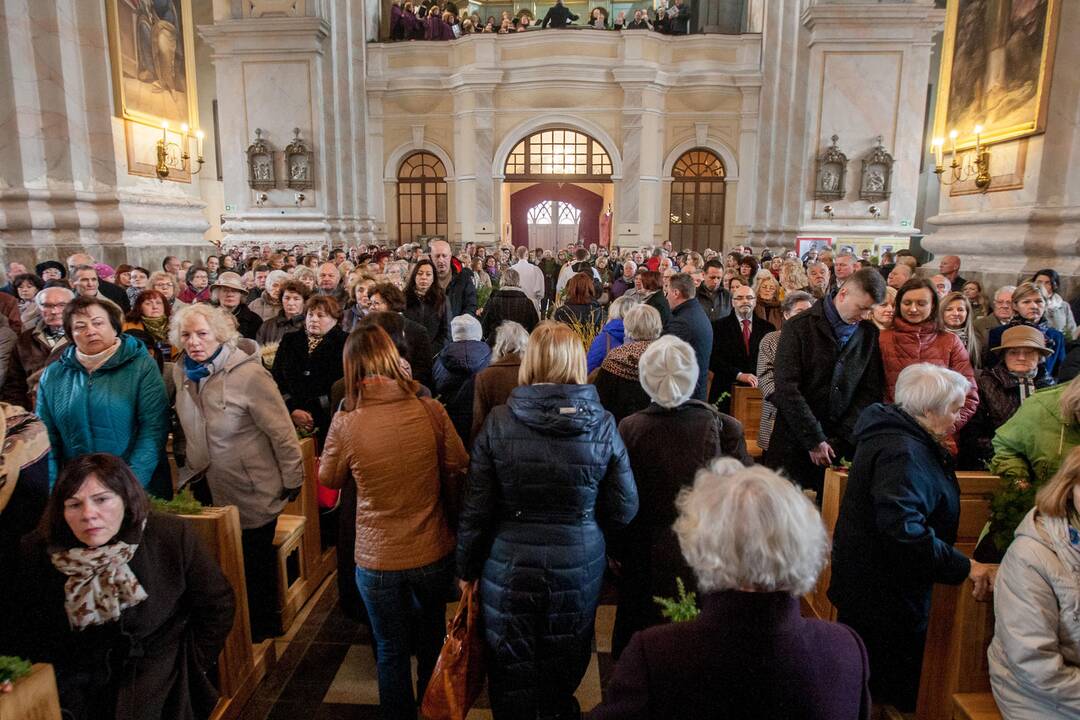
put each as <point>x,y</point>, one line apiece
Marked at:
<point>556,120</point>
<point>273,8</point>
<point>731,164</point>
<point>401,151</point>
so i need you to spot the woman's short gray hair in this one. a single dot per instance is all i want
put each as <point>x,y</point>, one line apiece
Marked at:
<point>509,278</point>
<point>221,323</point>
<point>642,322</point>
<point>302,271</point>
<point>925,388</point>
<point>275,276</point>
<point>749,528</point>
<point>465,327</point>
<point>620,305</point>
<point>511,338</point>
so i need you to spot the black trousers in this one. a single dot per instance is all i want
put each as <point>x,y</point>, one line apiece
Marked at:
<point>260,574</point>
<point>896,657</point>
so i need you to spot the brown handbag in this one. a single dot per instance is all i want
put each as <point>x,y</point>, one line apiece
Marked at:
<point>458,677</point>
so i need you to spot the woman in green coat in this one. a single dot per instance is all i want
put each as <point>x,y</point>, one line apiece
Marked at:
<point>1028,449</point>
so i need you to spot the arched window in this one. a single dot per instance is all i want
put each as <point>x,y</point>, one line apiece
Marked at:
<point>696,219</point>
<point>421,197</point>
<point>560,153</point>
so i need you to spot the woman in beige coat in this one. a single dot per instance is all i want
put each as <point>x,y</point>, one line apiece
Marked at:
<point>240,438</point>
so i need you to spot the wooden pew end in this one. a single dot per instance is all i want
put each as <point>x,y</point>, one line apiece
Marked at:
<point>975,706</point>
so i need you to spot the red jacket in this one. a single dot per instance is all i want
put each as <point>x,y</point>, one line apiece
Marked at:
<point>906,344</point>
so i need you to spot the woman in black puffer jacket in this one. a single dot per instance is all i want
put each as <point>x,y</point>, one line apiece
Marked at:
<point>532,527</point>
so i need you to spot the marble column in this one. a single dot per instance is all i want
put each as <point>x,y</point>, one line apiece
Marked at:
<point>64,184</point>
<point>637,194</point>
<point>277,73</point>
<point>474,152</point>
<point>1030,217</point>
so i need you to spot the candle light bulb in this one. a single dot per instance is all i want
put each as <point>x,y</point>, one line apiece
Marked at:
<point>200,134</point>
<point>978,129</point>
<point>938,142</point>
<point>164,124</point>
<point>953,134</point>
<point>184,128</point>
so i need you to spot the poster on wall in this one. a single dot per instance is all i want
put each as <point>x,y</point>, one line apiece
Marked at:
<point>858,246</point>
<point>891,244</point>
<point>152,50</point>
<point>805,244</point>
<point>995,69</point>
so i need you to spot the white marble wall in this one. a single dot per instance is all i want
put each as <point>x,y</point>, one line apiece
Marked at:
<point>277,73</point>
<point>857,71</point>
<point>64,183</point>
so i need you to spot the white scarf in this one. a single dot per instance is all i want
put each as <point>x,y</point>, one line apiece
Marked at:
<point>100,583</point>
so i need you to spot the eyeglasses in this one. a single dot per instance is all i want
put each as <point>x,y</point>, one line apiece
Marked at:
<point>54,306</point>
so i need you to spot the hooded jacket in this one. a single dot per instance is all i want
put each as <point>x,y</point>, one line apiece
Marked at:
<point>239,433</point>
<point>530,529</point>
<point>455,375</point>
<point>611,336</point>
<point>1034,657</point>
<point>897,524</point>
<point>906,344</point>
<point>1032,444</point>
<point>121,409</point>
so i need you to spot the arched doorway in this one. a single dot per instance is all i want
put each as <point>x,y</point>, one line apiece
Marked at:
<point>696,218</point>
<point>561,174</point>
<point>422,198</point>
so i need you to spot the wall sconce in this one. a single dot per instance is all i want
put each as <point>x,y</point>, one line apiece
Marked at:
<point>874,210</point>
<point>980,170</point>
<point>261,198</point>
<point>300,197</point>
<point>828,211</point>
<point>172,155</point>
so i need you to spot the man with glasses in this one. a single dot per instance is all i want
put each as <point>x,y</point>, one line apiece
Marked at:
<point>1001,314</point>
<point>35,347</point>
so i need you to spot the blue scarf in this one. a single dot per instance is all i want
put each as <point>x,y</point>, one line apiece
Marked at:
<point>196,371</point>
<point>842,330</point>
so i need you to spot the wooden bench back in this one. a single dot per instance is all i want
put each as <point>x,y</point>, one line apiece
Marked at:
<point>746,408</point>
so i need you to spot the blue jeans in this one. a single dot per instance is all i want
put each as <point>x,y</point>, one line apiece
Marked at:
<point>407,609</point>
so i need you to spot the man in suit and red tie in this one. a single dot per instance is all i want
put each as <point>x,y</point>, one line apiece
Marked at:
<point>736,339</point>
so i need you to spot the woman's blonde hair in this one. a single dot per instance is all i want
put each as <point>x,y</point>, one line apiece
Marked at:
<point>972,345</point>
<point>221,323</point>
<point>555,355</point>
<point>1055,498</point>
<point>1027,288</point>
<point>792,271</point>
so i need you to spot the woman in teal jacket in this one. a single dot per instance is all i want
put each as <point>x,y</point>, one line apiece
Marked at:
<point>105,394</point>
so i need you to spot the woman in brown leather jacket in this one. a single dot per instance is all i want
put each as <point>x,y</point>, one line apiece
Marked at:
<point>404,455</point>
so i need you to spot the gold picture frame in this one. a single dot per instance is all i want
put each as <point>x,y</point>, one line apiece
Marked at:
<point>152,85</point>
<point>970,60</point>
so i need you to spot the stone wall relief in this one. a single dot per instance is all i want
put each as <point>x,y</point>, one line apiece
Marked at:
<point>875,184</point>
<point>260,162</point>
<point>297,168</point>
<point>299,164</point>
<point>829,183</point>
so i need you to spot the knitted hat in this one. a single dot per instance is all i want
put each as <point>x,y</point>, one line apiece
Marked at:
<point>668,371</point>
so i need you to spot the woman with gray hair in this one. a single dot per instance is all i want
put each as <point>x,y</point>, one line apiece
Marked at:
<point>612,335</point>
<point>494,384</point>
<point>455,370</point>
<point>897,525</point>
<point>511,303</point>
<point>268,304</point>
<point>617,382</point>
<point>239,438</point>
<point>755,544</point>
<point>667,441</point>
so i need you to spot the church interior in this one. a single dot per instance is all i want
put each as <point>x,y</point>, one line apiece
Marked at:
<point>137,130</point>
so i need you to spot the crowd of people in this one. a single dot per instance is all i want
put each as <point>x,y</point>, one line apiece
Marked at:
<point>442,20</point>
<point>533,424</point>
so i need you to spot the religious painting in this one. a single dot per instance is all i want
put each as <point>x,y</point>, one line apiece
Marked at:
<point>995,69</point>
<point>152,48</point>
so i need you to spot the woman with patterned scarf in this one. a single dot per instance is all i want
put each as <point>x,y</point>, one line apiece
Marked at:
<point>1035,654</point>
<point>125,603</point>
<point>617,381</point>
<point>150,315</point>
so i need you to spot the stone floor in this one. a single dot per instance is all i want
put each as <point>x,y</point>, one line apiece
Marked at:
<point>326,671</point>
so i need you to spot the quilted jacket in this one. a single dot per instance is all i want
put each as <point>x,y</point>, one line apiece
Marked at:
<point>532,529</point>
<point>121,408</point>
<point>906,344</point>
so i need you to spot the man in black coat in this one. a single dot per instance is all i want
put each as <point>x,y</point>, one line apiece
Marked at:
<point>558,16</point>
<point>711,293</point>
<point>690,324</point>
<point>679,23</point>
<point>736,339</point>
<point>458,285</point>
<point>828,369</point>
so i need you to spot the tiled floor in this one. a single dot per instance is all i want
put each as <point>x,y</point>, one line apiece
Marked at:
<point>326,670</point>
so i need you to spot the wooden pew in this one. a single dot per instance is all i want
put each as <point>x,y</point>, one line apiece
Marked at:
<point>975,706</point>
<point>818,599</point>
<point>34,696</point>
<point>746,408</point>
<point>303,565</point>
<point>960,628</point>
<point>241,665</point>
